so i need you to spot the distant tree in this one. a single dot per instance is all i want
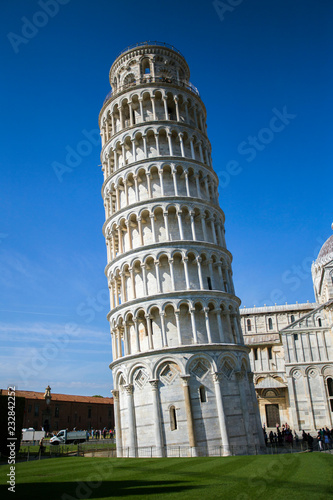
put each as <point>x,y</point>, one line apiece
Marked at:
<point>96,396</point>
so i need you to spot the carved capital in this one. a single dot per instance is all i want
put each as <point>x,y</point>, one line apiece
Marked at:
<point>185,379</point>
<point>154,384</point>
<point>115,395</point>
<point>129,389</point>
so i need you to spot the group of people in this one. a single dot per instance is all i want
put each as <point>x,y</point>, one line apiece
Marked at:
<point>285,435</point>
<point>325,439</point>
<point>281,436</point>
<point>101,433</point>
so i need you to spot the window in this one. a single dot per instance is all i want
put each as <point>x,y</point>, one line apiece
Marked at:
<point>319,322</point>
<point>255,352</point>
<point>89,412</point>
<point>330,386</point>
<point>209,281</point>
<point>295,336</point>
<point>202,393</point>
<point>173,418</point>
<point>329,382</point>
<point>270,324</point>
<point>248,324</point>
<point>269,349</point>
<point>56,411</point>
<point>36,410</point>
<point>29,408</point>
<point>292,318</point>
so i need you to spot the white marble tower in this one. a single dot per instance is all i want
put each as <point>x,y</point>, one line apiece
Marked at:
<point>182,377</point>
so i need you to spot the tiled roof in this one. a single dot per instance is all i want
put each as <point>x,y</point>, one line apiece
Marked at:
<point>60,397</point>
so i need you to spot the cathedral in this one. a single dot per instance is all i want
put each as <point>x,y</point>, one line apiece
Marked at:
<point>292,354</point>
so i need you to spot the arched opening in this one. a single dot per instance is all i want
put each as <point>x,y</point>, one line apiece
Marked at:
<point>202,394</point>
<point>173,418</point>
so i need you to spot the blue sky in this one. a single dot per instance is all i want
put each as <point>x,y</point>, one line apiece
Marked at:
<point>251,60</point>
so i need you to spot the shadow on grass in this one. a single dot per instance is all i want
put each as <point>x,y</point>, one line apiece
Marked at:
<point>105,489</point>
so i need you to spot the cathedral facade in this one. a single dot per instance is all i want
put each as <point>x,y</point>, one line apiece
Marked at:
<point>292,354</point>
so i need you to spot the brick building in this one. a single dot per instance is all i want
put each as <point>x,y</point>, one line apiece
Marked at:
<point>63,411</point>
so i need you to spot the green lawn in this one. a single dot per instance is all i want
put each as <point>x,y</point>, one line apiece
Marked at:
<point>294,476</point>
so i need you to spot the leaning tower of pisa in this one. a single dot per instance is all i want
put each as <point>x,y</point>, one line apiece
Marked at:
<point>182,379</point>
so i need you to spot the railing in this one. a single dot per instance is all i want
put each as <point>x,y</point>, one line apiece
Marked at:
<point>149,42</point>
<point>153,79</point>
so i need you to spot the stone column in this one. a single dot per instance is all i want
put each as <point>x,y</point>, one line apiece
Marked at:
<point>210,267</point>
<point>131,270</point>
<point>204,230</point>
<point>137,339</point>
<point>152,98</point>
<point>200,151</point>
<point>219,324</point>
<point>133,150</point>
<point>293,403</point>
<point>177,107</point>
<point>199,259</point>
<point>157,271</point>
<point>140,230</point>
<point>120,351</point>
<point>187,183</point>
<point>136,187</point>
<point>123,287</point>
<point>192,148</point>
<point>141,109</point>
<point>166,224</point>
<point>164,337</point>
<point>170,143</point>
<point>194,237</point>
<point>209,335</point>
<point>121,117</point>
<point>120,239</point>
<point>177,312</point>
<point>187,279</point>
<point>182,151</point>
<point>256,410</point>
<point>166,107</point>
<point>129,236</point>
<point>245,409</point>
<point>144,279</point>
<point>221,415</point>
<point>117,422</point>
<point>150,333</point>
<point>130,113</point>
<point>144,138</point>
<point>189,415</point>
<point>152,221</point>
<point>194,326</point>
<point>157,144</point>
<point>132,439</point>
<point>180,224</point>
<point>309,400</point>
<point>172,274</point>
<point>148,176</point>
<point>127,347</point>
<point>157,418</point>
<point>174,173</point>
<point>160,174</point>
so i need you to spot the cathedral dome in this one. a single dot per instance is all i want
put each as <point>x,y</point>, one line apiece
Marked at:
<point>327,248</point>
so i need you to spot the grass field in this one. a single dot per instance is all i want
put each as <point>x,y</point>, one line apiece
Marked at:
<point>293,476</point>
